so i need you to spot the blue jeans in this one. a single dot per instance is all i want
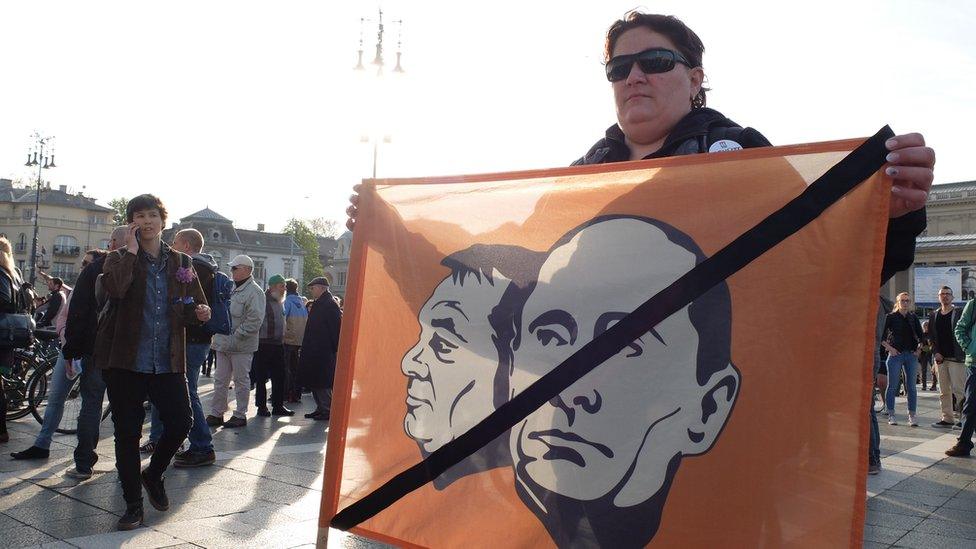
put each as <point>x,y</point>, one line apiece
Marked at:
<point>90,416</point>
<point>201,440</point>
<point>896,363</point>
<point>56,393</point>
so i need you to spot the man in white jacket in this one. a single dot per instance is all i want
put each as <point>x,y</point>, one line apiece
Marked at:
<point>235,351</point>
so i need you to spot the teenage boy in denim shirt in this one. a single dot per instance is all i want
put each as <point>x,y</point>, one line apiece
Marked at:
<point>153,295</point>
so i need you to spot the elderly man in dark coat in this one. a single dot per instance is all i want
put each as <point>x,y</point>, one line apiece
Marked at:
<point>316,366</point>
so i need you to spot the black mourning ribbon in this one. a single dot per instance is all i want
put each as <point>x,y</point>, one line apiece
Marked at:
<point>847,174</point>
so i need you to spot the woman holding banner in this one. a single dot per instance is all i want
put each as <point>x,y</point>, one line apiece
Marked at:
<point>654,64</point>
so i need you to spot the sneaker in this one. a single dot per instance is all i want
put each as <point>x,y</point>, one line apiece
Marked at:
<point>155,491</point>
<point>215,421</point>
<point>148,448</point>
<point>282,412</point>
<point>235,421</point>
<point>31,453</point>
<point>912,422</point>
<point>79,474</point>
<point>892,420</point>
<point>874,468</point>
<point>132,518</point>
<point>959,450</point>
<point>942,424</point>
<point>196,459</point>
<point>263,412</point>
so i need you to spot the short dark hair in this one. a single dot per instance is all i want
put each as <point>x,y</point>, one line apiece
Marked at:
<point>57,281</point>
<point>192,237</point>
<point>685,39</point>
<point>946,288</point>
<point>291,286</point>
<point>145,202</point>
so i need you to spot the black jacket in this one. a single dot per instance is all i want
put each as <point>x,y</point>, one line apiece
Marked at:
<point>701,128</point>
<point>54,302</point>
<point>82,322</point>
<point>316,365</point>
<point>205,267</point>
<point>956,353</point>
<point>894,329</point>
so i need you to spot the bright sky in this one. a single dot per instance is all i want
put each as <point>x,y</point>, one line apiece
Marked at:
<point>253,108</point>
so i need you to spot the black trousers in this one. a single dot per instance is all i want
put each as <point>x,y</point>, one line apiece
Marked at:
<point>269,363</point>
<point>293,389</point>
<point>127,391</point>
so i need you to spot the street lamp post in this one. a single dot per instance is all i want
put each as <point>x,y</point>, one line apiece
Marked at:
<point>380,63</point>
<point>42,162</point>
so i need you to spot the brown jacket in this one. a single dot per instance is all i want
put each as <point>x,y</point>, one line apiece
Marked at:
<point>124,280</point>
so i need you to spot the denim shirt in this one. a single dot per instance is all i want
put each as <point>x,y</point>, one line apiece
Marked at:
<point>152,356</point>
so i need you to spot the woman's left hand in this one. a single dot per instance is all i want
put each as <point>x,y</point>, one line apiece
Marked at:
<point>910,165</point>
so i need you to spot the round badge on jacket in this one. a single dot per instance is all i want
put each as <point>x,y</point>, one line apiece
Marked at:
<point>724,145</point>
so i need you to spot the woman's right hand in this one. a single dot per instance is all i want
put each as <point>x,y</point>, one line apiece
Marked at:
<point>353,210</point>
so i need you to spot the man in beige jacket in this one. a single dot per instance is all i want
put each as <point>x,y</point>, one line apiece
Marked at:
<point>235,351</point>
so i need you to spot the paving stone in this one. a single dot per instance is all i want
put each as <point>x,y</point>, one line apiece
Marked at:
<point>24,536</point>
<point>874,545</point>
<point>965,516</point>
<point>7,521</point>
<point>926,486</point>
<point>960,502</point>
<point>948,529</point>
<point>882,534</point>
<point>54,509</point>
<point>140,537</point>
<point>900,507</point>
<point>892,520</point>
<point>921,540</point>
<point>78,526</point>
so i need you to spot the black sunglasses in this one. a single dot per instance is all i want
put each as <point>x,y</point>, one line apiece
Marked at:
<point>652,61</point>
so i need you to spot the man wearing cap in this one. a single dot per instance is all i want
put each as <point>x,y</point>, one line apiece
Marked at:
<point>316,365</point>
<point>235,351</point>
<point>269,361</point>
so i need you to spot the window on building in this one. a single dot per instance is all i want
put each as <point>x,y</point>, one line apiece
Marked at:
<point>20,265</point>
<point>288,268</point>
<point>342,278</point>
<point>66,245</point>
<point>28,214</point>
<point>260,276</point>
<point>62,270</point>
<point>215,235</point>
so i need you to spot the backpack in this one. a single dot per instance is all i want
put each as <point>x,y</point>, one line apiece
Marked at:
<point>219,322</point>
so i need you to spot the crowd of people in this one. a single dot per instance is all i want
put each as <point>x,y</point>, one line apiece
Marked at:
<point>140,325</point>
<point>907,348</point>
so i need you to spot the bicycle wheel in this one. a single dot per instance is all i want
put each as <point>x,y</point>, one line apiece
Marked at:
<point>37,395</point>
<point>15,385</point>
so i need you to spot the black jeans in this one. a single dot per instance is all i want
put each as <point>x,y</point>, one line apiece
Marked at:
<point>269,363</point>
<point>293,389</point>
<point>969,408</point>
<point>127,391</point>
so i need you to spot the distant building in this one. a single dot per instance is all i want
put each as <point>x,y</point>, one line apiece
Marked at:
<point>949,238</point>
<point>69,224</point>
<point>338,270</point>
<point>273,253</point>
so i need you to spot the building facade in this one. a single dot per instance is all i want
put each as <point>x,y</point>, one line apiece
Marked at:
<point>68,225</point>
<point>337,270</point>
<point>273,253</point>
<point>949,238</point>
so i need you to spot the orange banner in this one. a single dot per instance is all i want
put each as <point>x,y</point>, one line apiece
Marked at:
<point>724,425</point>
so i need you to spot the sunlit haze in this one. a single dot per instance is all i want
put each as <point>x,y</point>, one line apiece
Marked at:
<point>254,109</point>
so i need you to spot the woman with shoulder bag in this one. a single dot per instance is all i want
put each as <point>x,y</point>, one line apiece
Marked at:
<point>10,283</point>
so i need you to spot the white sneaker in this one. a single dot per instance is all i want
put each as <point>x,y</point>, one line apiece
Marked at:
<point>892,420</point>
<point>75,473</point>
<point>912,422</point>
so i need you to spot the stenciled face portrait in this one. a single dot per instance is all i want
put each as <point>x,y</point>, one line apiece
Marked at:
<point>451,369</point>
<point>616,430</point>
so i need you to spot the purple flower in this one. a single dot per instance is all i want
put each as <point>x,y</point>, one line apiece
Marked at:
<point>187,300</point>
<point>185,275</point>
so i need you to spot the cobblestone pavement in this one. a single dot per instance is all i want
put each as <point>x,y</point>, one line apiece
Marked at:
<point>265,488</point>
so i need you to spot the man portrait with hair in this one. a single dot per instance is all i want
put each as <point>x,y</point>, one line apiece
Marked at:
<point>595,464</point>
<point>455,377</point>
